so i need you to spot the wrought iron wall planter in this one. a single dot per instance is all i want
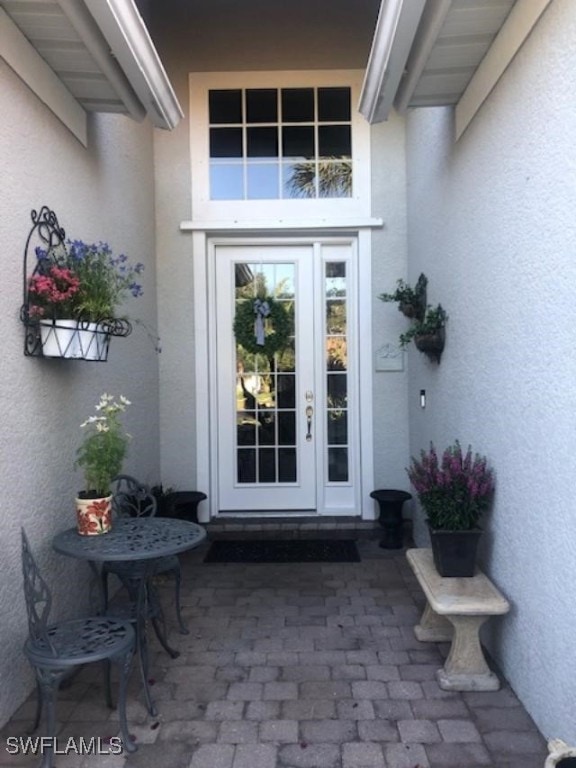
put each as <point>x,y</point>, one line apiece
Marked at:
<point>432,344</point>
<point>64,338</point>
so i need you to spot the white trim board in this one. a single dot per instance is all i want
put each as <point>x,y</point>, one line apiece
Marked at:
<point>304,225</point>
<point>23,59</point>
<point>521,21</point>
<point>205,365</point>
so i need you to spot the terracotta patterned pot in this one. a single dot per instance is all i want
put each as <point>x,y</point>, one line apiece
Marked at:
<point>94,516</point>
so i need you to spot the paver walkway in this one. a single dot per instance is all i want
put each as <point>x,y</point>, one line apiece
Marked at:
<point>297,666</point>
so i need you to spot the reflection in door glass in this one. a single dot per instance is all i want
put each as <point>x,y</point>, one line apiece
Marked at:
<point>266,373</point>
<point>336,371</point>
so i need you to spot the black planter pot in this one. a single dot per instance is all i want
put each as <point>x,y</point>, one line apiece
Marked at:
<point>454,552</point>
<point>390,502</point>
<point>181,504</point>
<point>432,344</point>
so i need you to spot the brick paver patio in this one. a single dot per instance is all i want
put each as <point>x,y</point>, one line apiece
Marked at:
<point>297,666</point>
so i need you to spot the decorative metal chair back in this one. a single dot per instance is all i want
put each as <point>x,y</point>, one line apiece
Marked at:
<point>132,498</point>
<point>38,600</point>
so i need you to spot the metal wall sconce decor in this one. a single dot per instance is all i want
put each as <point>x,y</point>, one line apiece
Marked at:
<point>52,329</point>
<point>427,329</point>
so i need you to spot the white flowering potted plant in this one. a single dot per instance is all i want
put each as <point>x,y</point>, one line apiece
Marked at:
<point>455,491</point>
<point>101,456</point>
<point>75,293</point>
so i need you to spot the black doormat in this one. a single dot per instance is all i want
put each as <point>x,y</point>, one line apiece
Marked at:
<point>282,551</point>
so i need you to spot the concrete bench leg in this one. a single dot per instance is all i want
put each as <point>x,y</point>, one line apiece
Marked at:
<point>466,668</point>
<point>433,628</point>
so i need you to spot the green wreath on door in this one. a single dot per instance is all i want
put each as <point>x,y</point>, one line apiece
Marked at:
<point>262,326</point>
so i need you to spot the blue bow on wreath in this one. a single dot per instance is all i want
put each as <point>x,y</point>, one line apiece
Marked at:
<point>261,310</point>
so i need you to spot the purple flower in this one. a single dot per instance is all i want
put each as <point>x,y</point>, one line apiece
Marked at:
<point>455,491</point>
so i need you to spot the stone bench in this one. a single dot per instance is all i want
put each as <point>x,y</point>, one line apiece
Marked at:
<point>456,609</point>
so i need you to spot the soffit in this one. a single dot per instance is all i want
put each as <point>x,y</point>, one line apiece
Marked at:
<point>466,30</point>
<point>92,56</point>
<point>431,59</point>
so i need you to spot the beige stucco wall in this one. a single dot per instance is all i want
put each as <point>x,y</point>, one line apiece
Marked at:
<point>103,192</point>
<point>491,222</point>
<point>193,37</point>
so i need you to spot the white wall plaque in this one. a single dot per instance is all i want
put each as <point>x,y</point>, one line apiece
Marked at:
<point>389,357</point>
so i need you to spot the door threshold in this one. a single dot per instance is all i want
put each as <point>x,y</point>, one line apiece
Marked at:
<point>272,513</point>
<point>290,526</point>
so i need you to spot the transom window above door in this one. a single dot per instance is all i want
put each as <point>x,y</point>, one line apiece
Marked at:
<point>276,143</point>
<point>278,147</point>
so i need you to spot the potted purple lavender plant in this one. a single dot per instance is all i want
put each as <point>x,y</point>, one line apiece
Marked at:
<point>454,491</point>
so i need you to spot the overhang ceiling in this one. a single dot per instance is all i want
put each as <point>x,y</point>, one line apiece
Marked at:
<point>425,52</point>
<point>102,52</point>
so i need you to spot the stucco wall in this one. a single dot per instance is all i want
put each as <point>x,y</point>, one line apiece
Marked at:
<point>491,222</point>
<point>103,192</point>
<point>390,404</point>
<point>192,36</point>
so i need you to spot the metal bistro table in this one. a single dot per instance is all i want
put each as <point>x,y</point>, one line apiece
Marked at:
<point>135,539</point>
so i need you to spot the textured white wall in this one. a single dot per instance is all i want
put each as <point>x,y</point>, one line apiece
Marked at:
<point>103,192</point>
<point>491,222</point>
<point>388,265</point>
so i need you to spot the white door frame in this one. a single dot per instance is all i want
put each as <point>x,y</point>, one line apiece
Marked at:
<point>205,363</point>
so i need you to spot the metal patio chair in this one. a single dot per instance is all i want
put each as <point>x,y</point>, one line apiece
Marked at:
<point>54,650</point>
<point>132,498</point>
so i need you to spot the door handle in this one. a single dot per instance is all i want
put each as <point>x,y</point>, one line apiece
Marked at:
<point>309,413</point>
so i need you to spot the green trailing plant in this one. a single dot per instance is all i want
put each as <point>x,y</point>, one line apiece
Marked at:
<point>411,301</point>
<point>432,324</point>
<point>454,491</point>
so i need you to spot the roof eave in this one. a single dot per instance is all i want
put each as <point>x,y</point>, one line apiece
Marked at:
<point>130,43</point>
<point>395,31</point>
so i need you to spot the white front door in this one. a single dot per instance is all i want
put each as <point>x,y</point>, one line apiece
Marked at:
<point>286,376</point>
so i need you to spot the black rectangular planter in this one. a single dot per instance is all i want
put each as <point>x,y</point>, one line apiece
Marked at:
<point>454,552</point>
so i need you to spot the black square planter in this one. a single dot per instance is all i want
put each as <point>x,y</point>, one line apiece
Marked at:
<point>454,552</point>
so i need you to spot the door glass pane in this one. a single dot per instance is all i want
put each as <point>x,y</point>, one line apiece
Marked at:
<point>287,465</point>
<point>267,465</point>
<point>286,360</point>
<point>337,465</point>
<point>246,466</point>
<point>287,428</point>
<point>336,315</point>
<point>337,427</point>
<point>286,389</point>
<point>246,427</point>
<point>266,375</point>
<point>336,371</point>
